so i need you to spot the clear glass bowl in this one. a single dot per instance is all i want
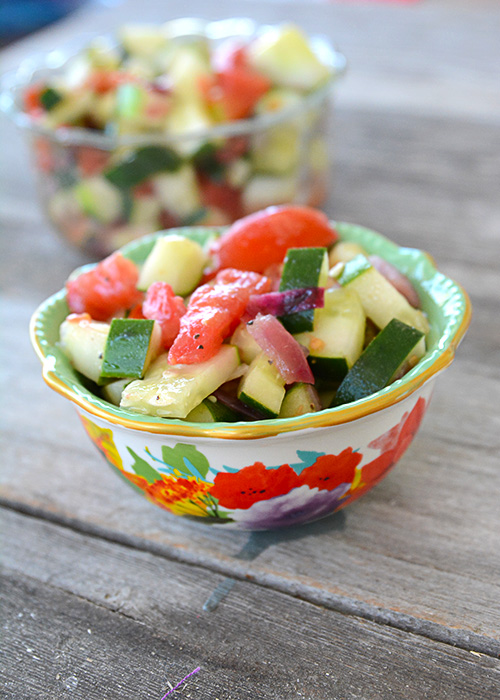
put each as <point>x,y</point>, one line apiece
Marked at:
<point>226,172</point>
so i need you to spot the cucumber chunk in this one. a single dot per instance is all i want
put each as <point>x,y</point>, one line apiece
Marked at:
<point>304,267</point>
<point>379,362</point>
<point>262,387</point>
<point>286,57</point>
<point>50,98</point>
<point>176,260</point>
<point>300,399</point>
<point>172,391</point>
<point>381,301</point>
<point>212,411</point>
<point>98,198</point>
<point>178,192</point>
<point>131,345</point>
<point>336,341</point>
<point>112,392</point>
<point>263,190</point>
<point>83,341</point>
<point>246,344</point>
<point>141,164</point>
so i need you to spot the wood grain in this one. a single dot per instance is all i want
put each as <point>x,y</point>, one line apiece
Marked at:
<point>121,623</point>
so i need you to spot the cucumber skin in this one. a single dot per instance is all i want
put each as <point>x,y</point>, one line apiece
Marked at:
<point>353,268</point>
<point>212,412</point>
<point>262,383</point>
<point>252,403</point>
<point>378,363</point>
<point>303,268</point>
<point>142,164</point>
<point>331,368</point>
<point>119,362</point>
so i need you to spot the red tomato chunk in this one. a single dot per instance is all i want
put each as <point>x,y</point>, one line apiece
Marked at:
<point>262,239</point>
<point>107,290</point>
<point>213,313</point>
<point>162,305</point>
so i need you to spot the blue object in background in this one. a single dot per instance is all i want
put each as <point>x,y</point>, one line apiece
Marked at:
<point>21,17</point>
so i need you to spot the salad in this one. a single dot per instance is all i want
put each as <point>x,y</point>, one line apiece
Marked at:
<point>158,128</point>
<point>274,316</point>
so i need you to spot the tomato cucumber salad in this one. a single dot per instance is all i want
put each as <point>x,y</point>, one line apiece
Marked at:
<point>275,316</point>
<point>160,99</point>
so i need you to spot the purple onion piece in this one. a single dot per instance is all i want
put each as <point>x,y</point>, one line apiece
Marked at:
<point>284,303</point>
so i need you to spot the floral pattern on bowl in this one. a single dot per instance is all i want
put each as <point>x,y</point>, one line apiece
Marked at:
<point>256,496</point>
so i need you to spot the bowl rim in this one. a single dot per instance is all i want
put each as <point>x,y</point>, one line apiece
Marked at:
<point>16,80</point>
<point>453,299</point>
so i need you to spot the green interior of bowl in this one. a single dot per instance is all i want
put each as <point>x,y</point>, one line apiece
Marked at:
<point>445,303</point>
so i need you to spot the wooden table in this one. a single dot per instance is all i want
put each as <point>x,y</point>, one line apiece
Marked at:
<point>105,596</point>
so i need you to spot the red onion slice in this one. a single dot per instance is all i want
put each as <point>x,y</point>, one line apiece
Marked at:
<point>283,303</point>
<point>282,348</point>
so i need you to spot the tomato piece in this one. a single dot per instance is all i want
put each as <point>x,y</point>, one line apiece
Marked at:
<point>44,154</point>
<point>162,305</point>
<point>106,290</point>
<point>31,98</point>
<point>91,161</point>
<point>234,91</point>
<point>260,240</point>
<point>104,80</point>
<point>221,196</point>
<point>234,148</point>
<point>213,313</point>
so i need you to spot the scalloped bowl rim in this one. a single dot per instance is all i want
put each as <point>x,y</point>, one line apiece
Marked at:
<point>452,299</point>
<point>51,61</point>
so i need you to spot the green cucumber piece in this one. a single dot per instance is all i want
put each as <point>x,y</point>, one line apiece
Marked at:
<point>99,198</point>
<point>379,362</point>
<point>246,343</point>
<point>300,399</point>
<point>212,411</point>
<point>286,57</point>
<point>205,159</point>
<point>83,341</point>
<point>176,260</point>
<point>142,164</point>
<point>172,391</point>
<point>130,346</point>
<point>261,191</point>
<point>50,98</point>
<point>178,192</point>
<point>336,341</point>
<point>130,99</point>
<point>304,267</point>
<point>112,391</point>
<point>380,299</point>
<point>143,211</point>
<point>262,387</point>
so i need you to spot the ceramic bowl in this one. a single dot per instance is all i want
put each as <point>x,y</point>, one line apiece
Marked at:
<point>269,473</point>
<point>227,170</point>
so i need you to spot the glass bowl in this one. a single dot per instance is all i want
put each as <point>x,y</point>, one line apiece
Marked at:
<point>205,176</point>
<point>273,473</point>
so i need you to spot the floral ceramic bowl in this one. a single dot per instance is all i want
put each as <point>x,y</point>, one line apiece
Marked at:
<point>269,473</point>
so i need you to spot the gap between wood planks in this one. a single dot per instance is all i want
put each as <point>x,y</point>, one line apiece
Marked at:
<point>468,641</point>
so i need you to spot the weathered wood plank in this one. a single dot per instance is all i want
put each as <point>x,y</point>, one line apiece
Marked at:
<point>123,624</point>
